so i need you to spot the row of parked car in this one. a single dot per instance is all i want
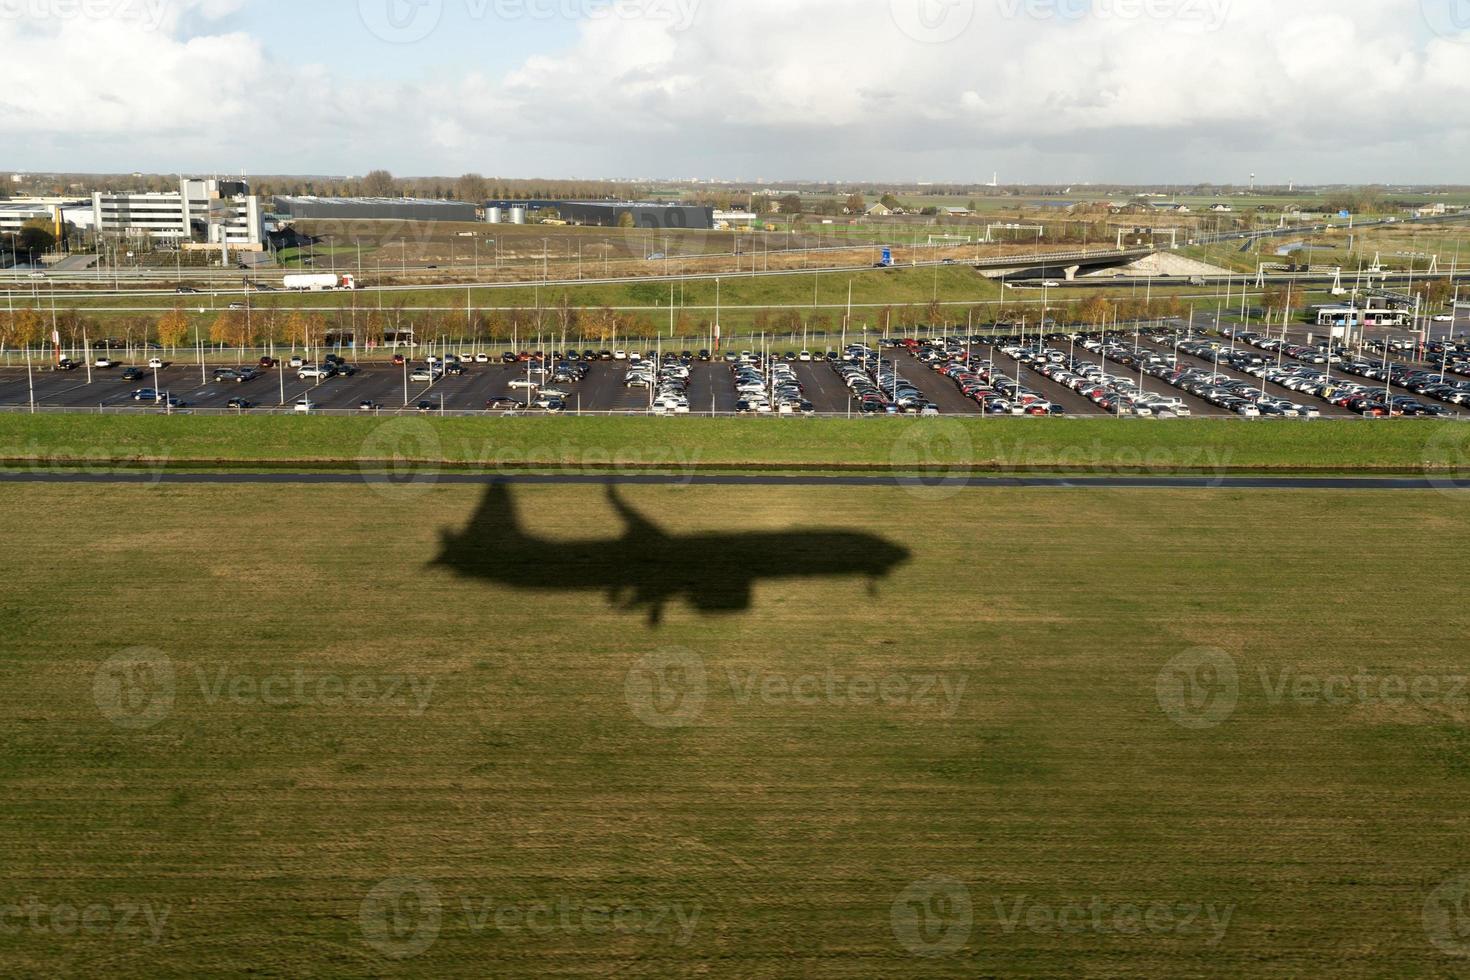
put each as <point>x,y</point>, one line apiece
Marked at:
<point>1375,400</point>
<point>876,385</point>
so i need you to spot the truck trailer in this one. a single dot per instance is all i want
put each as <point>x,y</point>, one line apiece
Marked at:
<point>319,282</point>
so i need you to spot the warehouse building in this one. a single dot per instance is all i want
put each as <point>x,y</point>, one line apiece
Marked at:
<point>372,209</point>
<point>609,214</point>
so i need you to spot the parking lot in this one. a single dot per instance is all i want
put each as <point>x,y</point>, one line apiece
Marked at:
<point>1159,373</point>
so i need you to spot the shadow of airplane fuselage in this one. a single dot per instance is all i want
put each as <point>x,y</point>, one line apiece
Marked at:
<point>646,568</point>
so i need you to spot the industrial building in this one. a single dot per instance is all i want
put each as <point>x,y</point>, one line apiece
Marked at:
<point>56,212</point>
<point>201,214</point>
<point>606,214</point>
<point>372,209</point>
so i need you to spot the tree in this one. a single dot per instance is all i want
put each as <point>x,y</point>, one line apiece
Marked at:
<point>36,236</point>
<point>1096,311</point>
<point>625,220</point>
<point>856,204</point>
<point>228,329</point>
<point>890,202</point>
<point>791,204</point>
<point>379,183</point>
<point>472,187</point>
<point>172,328</point>
<point>21,328</point>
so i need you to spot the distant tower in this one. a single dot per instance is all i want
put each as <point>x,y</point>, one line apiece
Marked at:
<point>1253,183</point>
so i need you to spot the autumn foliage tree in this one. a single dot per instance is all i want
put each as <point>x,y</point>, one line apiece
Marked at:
<point>172,328</point>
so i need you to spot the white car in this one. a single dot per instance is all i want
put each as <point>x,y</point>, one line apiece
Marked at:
<point>423,377</point>
<point>520,384</point>
<point>805,355</point>
<point>1444,318</point>
<point>297,361</point>
<point>306,406</point>
<point>482,358</point>
<point>104,363</point>
<point>313,373</point>
<point>155,362</point>
<point>620,355</point>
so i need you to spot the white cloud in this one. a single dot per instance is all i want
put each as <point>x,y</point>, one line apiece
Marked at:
<point>1153,89</point>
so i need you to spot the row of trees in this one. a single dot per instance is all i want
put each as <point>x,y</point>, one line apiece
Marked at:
<point>296,328</point>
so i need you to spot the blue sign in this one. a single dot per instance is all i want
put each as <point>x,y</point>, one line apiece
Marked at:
<point>1344,214</point>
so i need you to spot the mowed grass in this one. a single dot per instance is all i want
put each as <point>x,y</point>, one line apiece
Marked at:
<point>783,829</point>
<point>942,447</point>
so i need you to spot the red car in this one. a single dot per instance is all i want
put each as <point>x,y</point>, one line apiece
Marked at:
<point>399,360</point>
<point>267,362</point>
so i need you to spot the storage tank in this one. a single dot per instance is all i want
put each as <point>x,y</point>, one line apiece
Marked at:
<point>517,216</point>
<point>494,216</point>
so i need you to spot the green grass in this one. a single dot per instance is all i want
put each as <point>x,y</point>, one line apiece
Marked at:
<point>789,827</point>
<point>1005,445</point>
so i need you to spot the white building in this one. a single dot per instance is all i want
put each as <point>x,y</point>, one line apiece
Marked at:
<point>201,214</point>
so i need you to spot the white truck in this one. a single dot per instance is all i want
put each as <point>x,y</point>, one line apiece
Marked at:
<point>318,282</point>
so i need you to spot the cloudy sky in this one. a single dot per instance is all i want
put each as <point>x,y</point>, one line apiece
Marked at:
<point>1040,90</point>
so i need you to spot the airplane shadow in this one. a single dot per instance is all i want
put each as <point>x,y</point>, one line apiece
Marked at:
<point>647,568</point>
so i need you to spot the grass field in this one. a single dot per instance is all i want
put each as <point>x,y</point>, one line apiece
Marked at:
<point>948,445</point>
<point>992,767</point>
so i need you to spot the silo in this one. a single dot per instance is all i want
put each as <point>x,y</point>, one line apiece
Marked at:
<point>517,215</point>
<point>494,215</point>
